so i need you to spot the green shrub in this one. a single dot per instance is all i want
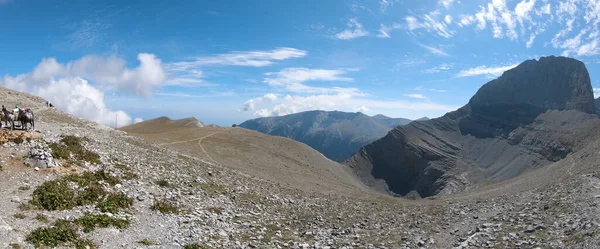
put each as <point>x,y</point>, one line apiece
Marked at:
<point>89,222</point>
<point>122,167</point>
<point>41,218</point>
<point>193,246</point>
<point>165,207</point>
<point>71,145</point>
<point>54,195</point>
<point>163,183</point>
<point>19,216</point>
<point>114,202</point>
<point>62,232</point>
<point>85,244</point>
<point>58,195</point>
<point>146,242</point>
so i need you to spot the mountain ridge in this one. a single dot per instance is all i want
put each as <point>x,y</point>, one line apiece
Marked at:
<point>496,136</point>
<point>335,134</point>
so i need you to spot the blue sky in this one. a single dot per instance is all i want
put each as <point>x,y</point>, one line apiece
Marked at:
<point>224,62</point>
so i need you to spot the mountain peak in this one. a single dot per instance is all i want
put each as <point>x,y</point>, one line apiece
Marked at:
<point>550,83</point>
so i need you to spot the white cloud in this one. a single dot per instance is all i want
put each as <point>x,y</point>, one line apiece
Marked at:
<point>430,23</point>
<point>446,3</point>
<point>252,103</point>
<point>435,51</point>
<point>66,85</point>
<point>354,30</point>
<point>596,92</point>
<point>350,103</point>
<point>415,96</point>
<point>109,70</point>
<point>530,41</point>
<point>523,9</point>
<point>137,120</point>
<point>189,73</point>
<point>437,90</point>
<point>71,94</point>
<point>466,20</point>
<point>439,68</point>
<point>257,58</point>
<point>384,4</point>
<point>484,70</point>
<point>448,19</point>
<point>362,109</point>
<point>384,31</point>
<point>292,80</point>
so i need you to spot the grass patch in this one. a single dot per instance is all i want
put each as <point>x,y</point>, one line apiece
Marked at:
<point>85,244</point>
<point>114,202</point>
<point>89,222</point>
<point>165,207</point>
<point>130,175</point>
<point>19,216</point>
<point>193,246</point>
<point>26,207</point>
<point>41,218</point>
<point>122,167</point>
<point>163,183</point>
<point>62,233</point>
<point>213,189</point>
<point>146,242</point>
<point>15,246</point>
<point>59,195</point>
<point>216,210</point>
<point>72,146</point>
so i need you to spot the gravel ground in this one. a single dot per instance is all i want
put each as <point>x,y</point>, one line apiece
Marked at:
<point>556,207</point>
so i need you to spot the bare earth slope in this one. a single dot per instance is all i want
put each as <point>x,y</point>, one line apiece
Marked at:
<point>335,134</point>
<point>277,159</point>
<point>222,207</point>
<point>163,124</point>
<point>533,115</point>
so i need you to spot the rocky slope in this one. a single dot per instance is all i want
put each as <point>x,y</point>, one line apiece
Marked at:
<point>335,134</point>
<point>220,206</point>
<point>533,115</point>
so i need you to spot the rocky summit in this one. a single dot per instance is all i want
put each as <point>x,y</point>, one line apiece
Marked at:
<point>533,115</point>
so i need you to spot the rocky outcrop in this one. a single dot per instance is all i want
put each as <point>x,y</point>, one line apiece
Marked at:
<point>597,102</point>
<point>335,134</point>
<point>531,116</point>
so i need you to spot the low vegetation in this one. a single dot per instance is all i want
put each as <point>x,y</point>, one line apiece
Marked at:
<point>90,222</point>
<point>60,194</point>
<point>19,216</point>
<point>163,183</point>
<point>115,202</point>
<point>41,218</point>
<point>165,207</point>
<point>62,232</point>
<point>193,246</point>
<point>146,242</point>
<point>72,146</point>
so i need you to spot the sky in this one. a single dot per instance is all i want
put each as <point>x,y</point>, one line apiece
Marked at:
<point>224,62</point>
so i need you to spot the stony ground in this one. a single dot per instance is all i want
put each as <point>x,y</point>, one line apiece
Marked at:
<point>221,208</point>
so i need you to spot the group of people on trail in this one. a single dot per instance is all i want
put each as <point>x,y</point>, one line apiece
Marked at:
<point>17,114</point>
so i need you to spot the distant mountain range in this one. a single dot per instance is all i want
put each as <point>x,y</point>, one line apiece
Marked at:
<point>335,134</point>
<point>533,115</point>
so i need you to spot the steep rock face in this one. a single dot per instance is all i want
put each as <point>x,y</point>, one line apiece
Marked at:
<point>335,134</point>
<point>534,114</point>
<point>597,102</point>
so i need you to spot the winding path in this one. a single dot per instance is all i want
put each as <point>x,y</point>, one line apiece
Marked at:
<point>199,144</point>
